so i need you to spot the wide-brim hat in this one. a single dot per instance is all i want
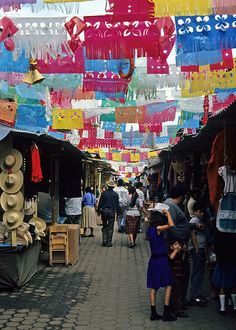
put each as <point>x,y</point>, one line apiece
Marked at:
<point>111,183</point>
<point>159,207</point>
<point>22,230</point>
<point>40,224</point>
<point>11,183</point>
<point>12,219</point>
<point>30,207</point>
<point>12,201</point>
<point>12,161</point>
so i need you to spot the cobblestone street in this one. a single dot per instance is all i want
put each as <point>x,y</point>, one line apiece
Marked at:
<point>106,290</point>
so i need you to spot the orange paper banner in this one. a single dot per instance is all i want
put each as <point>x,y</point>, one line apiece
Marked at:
<point>130,115</point>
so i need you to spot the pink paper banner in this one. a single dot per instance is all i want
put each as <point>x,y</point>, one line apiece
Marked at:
<point>123,10</point>
<point>105,38</point>
<point>66,63</point>
<point>150,128</point>
<point>105,82</point>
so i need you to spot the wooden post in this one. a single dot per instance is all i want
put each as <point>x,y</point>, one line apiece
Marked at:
<point>55,189</point>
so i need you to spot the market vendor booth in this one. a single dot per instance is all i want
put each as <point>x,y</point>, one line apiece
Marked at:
<point>30,168</point>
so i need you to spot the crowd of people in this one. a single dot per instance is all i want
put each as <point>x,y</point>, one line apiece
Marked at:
<point>181,232</point>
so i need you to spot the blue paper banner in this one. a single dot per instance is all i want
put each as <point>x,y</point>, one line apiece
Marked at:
<point>204,33</point>
<point>159,107</point>
<point>31,118</point>
<point>113,127</point>
<point>198,58</point>
<point>7,63</point>
<point>36,92</point>
<point>162,139</point>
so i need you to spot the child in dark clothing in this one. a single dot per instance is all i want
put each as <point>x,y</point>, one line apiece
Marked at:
<point>177,267</point>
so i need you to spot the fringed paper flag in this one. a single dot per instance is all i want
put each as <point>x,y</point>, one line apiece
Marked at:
<point>226,63</point>
<point>62,81</point>
<point>152,154</point>
<point>113,104</point>
<point>204,33</point>
<point>106,65</point>
<point>65,63</point>
<point>224,6</point>
<point>11,78</point>
<point>36,92</point>
<point>157,66</point>
<point>190,123</point>
<point>118,97</point>
<point>218,104</point>
<point>160,117</point>
<point>116,156</point>
<point>193,105</point>
<point>67,119</point>
<point>40,36</point>
<point>110,117</point>
<point>204,57</point>
<point>8,64</point>
<point>7,112</point>
<point>113,127</point>
<point>8,30</point>
<point>205,82</point>
<point>100,143</point>
<point>187,115</point>
<point>130,115</point>
<point>61,99</point>
<point>105,82</point>
<point>150,128</point>
<point>105,38</point>
<point>160,107</point>
<point>143,9</point>
<point>31,118</point>
<point>162,139</point>
<point>182,7</point>
<point>125,157</point>
<point>80,95</point>
<point>135,157</point>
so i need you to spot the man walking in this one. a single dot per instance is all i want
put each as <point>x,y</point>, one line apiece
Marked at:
<point>108,206</point>
<point>123,202</point>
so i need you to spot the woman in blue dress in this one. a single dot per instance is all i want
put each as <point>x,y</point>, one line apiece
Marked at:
<point>159,272</point>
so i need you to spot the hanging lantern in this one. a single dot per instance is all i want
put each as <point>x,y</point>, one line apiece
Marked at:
<point>33,76</point>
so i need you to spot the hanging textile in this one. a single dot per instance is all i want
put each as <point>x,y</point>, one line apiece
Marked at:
<point>31,118</point>
<point>104,82</point>
<point>36,175</point>
<point>130,115</point>
<point>130,8</point>
<point>40,36</point>
<point>67,119</point>
<point>7,112</point>
<point>104,38</point>
<point>224,6</point>
<point>182,7</point>
<point>198,33</point>
<point>65,63</point>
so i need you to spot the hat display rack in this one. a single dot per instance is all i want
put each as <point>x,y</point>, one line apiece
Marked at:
<point>13,230</point>
<point>11,184</point>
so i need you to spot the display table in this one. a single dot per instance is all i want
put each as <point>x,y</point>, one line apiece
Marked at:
<point>17,267</point>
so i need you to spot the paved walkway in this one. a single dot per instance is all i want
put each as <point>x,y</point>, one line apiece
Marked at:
<point>105,291</point>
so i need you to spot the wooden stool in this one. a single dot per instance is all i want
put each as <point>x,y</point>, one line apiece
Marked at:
<point>58,245</point>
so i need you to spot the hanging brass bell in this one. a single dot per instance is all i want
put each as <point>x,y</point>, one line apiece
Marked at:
<point>33,76</point>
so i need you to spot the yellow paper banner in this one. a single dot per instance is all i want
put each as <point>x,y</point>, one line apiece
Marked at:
<point>152,154</point>
<point>206,81</point>
<point>116,156</point>
<point>135,157</point>
<point>182,7</point>
<point>67,119</point>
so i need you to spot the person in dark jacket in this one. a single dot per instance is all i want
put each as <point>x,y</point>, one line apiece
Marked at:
<point>108,206</point>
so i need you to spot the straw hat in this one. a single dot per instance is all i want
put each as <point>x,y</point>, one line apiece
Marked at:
<point>30,207</point>
<point>40,224</point>
<point>12,201</point>
<point>111,183</point>
<point>22,230</point>
<point>11,183</point>
<point>12,219</point>
<point>11,161</point>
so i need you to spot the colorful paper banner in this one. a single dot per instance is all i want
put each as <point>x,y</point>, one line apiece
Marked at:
<point>67,119</point>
